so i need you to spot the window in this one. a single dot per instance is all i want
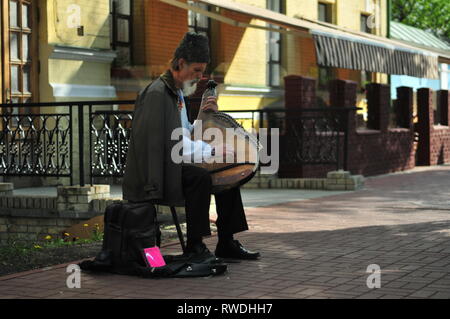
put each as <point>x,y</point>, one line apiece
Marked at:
<point>197,22</point>
<point>121,31</point>
<point>19,50</point>
<point>201,24</point>
<point>19,59</point>
<point>274,49</point>
<point>325,12</point>
<point>325,74</point>
<point>364,21</point>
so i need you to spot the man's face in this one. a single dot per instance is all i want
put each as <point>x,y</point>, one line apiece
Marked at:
<point>190,74</point>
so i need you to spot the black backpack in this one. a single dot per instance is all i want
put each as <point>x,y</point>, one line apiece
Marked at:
<point>128,229</point>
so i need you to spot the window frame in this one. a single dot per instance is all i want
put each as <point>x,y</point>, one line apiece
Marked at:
<point>115,43</point>
<point>272,79</point>
<point>196,28</point>
<point>202,30</point>
<point>328,12</point>
<point>31,62</point>
<point>366,29</point>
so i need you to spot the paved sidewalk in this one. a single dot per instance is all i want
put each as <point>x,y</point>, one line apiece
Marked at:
<point>313,248</point>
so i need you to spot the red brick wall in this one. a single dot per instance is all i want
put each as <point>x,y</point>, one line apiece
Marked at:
<point>370,152</point>
<point>374,153</point>
<point>307,55</point>
<point>440,146</point>
<point>164,28</point>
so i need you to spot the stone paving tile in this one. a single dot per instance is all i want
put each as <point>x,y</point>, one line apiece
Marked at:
<point>441,295</point>
<point>318,248</point>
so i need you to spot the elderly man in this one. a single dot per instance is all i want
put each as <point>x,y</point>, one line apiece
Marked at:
<point>152,175</point>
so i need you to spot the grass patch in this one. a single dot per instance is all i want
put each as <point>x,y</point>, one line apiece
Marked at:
<point>17,257</point>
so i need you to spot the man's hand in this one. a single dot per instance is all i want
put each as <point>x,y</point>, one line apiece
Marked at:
<point>224,150</point>
<point>210,104</point>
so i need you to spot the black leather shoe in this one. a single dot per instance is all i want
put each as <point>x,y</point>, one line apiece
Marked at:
<point>199,253</point>
<point>233,249</point>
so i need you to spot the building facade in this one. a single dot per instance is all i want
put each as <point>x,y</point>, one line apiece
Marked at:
<point>56,51</point>
<point>249,62</point>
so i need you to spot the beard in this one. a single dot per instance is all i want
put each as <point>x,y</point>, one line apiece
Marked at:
<point>189,87</point>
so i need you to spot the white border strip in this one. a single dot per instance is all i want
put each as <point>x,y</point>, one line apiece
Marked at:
<point>82,54</point>
<point>76,90</point>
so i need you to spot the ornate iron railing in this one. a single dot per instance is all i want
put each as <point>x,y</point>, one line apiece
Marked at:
<point>49,144</point>
<point>312,136</point>
<point>109,134</point>
<point>35,144</point>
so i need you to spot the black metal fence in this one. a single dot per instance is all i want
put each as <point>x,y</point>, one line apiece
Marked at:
<point>96,140</point>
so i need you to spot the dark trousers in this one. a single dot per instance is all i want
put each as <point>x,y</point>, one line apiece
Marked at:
<point>197,192</point>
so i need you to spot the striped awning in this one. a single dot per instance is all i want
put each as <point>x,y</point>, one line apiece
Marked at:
<point>364,54</point>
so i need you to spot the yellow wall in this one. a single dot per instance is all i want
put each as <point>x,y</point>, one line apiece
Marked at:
<point>56,29</point>
<point>248,66</point>
<point>242,60</point>
<point>94,18</point>
<point>346,12</point>
<point>239,102</point>
<point>79,72</point>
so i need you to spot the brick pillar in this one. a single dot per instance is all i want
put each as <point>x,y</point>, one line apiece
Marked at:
<point>443,99</point>
<point>404,107</point>
<point>425,124</point>
<point>6,189</point>
<point>79,198</point>
<point>299,92</point>
<point>378,99</point>
<point>343,94</point>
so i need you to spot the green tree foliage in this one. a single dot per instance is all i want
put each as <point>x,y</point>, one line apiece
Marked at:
<point>428,15</point>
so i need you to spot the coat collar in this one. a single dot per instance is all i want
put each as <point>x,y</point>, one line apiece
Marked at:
<point>169,81</point>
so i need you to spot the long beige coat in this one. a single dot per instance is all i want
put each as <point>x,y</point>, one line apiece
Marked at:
<point>150,173</point>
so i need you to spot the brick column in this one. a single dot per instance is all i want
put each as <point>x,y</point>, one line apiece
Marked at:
<point>378,99</point>
<point>79,198</point>
<point>404,107</point>
<point>299,92</point>
<point>343,94</point>
<point>6,189</point>
<point>425,124</point>
<point>443,99</point>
